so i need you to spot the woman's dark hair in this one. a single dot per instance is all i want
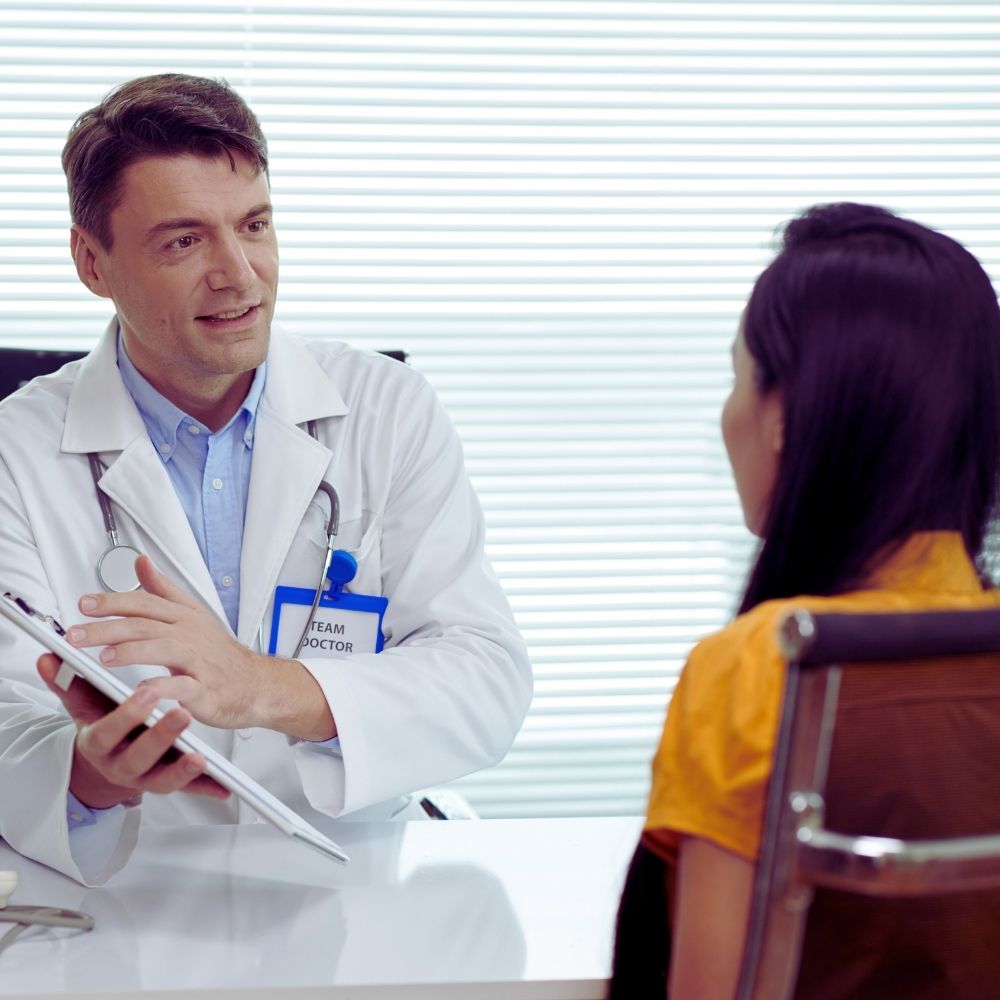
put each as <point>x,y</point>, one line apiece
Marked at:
<point>170,114</point>
<point>883,339</point>
<point>640,963</point>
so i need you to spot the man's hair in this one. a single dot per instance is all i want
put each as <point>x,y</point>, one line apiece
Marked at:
<point>882,338</point>
<point>170,114</point>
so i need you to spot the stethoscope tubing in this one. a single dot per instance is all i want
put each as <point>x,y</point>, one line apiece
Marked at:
<point>332,527</point>
<point>116,566</point>
<point>117,549</point>
<point>97,469</point>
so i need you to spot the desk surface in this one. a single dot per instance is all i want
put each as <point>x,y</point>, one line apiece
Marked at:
<point>491,909</point>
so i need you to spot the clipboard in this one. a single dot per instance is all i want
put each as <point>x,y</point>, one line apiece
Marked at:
<point>267,805</point>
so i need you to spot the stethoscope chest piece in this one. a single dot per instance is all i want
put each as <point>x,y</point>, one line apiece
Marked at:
<point>116,569</point>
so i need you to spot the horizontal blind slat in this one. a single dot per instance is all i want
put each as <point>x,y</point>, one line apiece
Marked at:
<point>558,210</point>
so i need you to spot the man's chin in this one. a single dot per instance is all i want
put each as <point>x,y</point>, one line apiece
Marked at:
<point>243,358</point>
<point>243,351</point>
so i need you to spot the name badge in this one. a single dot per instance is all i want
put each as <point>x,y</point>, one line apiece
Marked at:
<point>341,625</point>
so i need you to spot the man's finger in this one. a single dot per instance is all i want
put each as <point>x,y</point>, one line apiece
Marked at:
<point>134,604</point>
<point>155,582</point>
<point>185,775</point>
<point>111,631</point>
<point>105,734</point>
<point>159,599</point>
<point>82,700</point>
<point>147,746</point>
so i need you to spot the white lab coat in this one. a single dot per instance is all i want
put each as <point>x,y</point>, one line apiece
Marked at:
<point>444,698</point>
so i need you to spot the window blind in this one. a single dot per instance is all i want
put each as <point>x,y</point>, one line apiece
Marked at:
<point>557,207</point>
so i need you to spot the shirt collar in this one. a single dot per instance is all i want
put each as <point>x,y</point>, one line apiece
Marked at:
<point>935,561</point>
<point>163,419</point>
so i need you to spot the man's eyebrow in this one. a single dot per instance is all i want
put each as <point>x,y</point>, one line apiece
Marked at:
<point>190,222</point>
<point>264,208</point>
<point>172,225</point>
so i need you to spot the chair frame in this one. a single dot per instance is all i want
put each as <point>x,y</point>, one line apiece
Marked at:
<point>797,852</point>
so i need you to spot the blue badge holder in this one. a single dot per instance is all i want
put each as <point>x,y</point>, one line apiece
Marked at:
<point>343,567</point>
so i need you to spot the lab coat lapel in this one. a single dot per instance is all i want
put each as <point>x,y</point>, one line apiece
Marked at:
<point>101,418</point>
<point>288,466</point>
<point>138,484</point>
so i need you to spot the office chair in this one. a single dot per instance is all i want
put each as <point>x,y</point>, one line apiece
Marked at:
<point>879,871</point>
<point>20,365</point>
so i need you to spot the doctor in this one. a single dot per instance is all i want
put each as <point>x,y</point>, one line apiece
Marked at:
<point>211,442</point>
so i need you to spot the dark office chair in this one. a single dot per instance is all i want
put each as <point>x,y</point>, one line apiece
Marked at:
<point>21,365</point>
<point>879,873</point>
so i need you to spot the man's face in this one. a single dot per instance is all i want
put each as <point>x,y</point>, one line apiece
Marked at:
<point>192,271</point>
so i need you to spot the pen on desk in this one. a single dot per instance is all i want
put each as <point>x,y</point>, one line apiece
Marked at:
<point>431,809</point>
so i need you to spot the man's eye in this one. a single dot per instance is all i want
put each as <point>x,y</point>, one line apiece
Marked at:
<point>258,226</point>
<point>181,243</point>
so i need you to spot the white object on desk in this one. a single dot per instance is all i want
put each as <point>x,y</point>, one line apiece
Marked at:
<point>8,883</point>
<point>481,910</point>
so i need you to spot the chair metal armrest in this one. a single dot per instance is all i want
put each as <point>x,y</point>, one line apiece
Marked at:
<point>883,866</point>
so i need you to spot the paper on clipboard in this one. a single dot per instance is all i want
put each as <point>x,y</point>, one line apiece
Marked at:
<point>218,767</point>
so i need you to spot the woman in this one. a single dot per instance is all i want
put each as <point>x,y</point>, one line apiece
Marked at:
<point>863,430</point>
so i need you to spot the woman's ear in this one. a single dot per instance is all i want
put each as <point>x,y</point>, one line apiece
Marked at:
<point>774,421</point>
<point>89,259</point>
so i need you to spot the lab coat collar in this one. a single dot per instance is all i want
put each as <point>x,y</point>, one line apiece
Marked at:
<point>297,388</point>
<point>287,467</point>
<point>100,414</point>
<point>101,417</point>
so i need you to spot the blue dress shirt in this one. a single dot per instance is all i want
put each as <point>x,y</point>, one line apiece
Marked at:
<point>210,473</point>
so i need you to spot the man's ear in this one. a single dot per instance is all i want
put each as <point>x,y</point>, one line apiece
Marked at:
<point>89,260</point>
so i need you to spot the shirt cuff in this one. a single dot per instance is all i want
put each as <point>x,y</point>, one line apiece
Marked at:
<point>102,839</point>
<point>333,745</point>
<point>78,815</point>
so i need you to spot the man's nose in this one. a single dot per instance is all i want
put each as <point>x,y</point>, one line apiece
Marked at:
<point>230,267</point>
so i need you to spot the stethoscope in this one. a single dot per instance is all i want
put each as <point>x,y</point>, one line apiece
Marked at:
<point>339,566</point>
<point>116,566</point>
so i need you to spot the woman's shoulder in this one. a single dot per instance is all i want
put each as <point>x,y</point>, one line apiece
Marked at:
<point>748,646</point>
<point>753,629</point>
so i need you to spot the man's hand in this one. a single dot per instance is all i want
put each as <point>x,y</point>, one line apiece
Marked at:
<point>116,757</point>
<point>217,679</point>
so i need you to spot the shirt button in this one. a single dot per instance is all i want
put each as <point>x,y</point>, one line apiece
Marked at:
<point>216,484</point>
<point>194,429</point>
<point>227,580</point>
<point>164,448</point>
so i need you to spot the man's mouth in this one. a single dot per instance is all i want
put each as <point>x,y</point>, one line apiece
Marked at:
<point>231,314</point>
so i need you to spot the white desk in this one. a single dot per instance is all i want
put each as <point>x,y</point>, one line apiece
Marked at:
<point>487,909</point>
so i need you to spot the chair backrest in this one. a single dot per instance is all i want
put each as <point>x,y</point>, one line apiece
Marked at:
<point>20,365</point>
<point>879,871</point>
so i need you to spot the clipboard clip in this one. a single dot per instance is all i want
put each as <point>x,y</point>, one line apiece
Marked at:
<point>32,613</point>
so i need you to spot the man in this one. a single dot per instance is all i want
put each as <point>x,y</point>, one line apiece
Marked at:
<point>213,443</point>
